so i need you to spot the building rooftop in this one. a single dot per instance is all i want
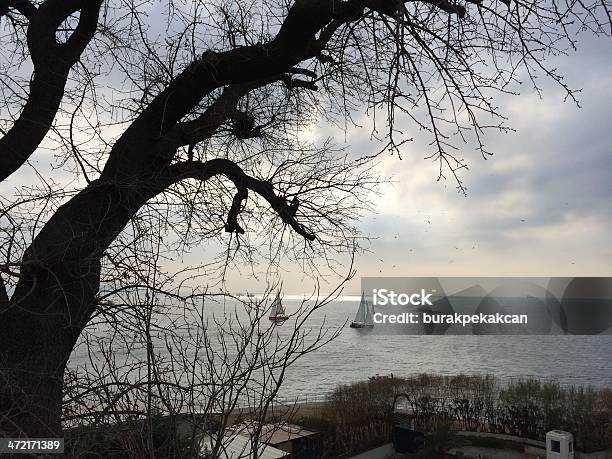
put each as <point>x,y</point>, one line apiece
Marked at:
<point>239,447</point>
<point>276,434</point>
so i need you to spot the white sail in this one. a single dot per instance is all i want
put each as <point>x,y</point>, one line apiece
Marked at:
<point>277,308</point>
<point>369,311</point>
<point>365,314</point>
<point>360,317</point>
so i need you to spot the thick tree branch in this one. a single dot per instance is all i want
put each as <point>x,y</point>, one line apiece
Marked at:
<point>42,40</point>
<point>449,7</point>
<point>243,182</point>
<point>25,7</point>
<point>200,128</point>
<point>52,63</point>
<point>232,225</point>
<point>84,32</point>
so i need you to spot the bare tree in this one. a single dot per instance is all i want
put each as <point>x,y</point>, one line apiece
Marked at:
<point>167,117</point>
<point>205,375</point>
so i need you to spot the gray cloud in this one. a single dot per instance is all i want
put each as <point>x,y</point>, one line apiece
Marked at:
<point>540,205</point>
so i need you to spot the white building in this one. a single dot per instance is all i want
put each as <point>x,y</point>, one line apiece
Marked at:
<point>559,445</point>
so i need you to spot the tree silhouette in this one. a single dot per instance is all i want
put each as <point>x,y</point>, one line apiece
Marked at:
<point>185,121</point>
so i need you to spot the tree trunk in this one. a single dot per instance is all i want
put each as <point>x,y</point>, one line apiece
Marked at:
<point>38,330</point>
<point>53,301</point>
<point>30,401</point>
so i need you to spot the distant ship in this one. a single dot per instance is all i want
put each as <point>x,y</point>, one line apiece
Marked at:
<point>277,312</point>
<point>363,318</point>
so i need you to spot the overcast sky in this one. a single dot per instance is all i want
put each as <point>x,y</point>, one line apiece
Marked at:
<point>541,206</point>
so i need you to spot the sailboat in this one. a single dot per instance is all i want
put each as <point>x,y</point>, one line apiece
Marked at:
<point>363,318</point>
<point>277,312</point>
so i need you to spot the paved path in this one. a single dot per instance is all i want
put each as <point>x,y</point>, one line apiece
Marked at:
<point>491,453</point>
